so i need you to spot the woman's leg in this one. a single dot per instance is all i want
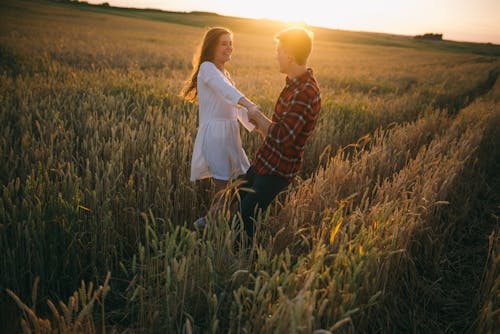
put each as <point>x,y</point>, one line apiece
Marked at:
<point>220,186</point>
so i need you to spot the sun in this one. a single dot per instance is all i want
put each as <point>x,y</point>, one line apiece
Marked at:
<point>276,10</point>
<point>311,12</point>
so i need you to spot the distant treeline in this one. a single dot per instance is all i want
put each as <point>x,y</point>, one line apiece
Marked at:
<point>434,37</point>
<point>105,4</point>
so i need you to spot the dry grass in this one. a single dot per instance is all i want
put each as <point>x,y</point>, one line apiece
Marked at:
<point>96,151</point>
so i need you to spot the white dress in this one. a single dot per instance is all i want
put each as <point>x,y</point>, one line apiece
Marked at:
<point>218,151</point>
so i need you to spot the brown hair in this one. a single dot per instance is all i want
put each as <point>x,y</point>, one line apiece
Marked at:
<point>296,41</point>
<point>204,52</point>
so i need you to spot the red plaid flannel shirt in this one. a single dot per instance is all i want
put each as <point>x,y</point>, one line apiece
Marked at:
<point>293,121</point>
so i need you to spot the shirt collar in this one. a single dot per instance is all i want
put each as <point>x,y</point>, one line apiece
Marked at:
<point>300,79</point>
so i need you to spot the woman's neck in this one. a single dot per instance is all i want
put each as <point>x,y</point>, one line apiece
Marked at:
<point>219,65</point>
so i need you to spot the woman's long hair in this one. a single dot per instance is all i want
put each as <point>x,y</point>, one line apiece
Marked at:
<point>205,52</point>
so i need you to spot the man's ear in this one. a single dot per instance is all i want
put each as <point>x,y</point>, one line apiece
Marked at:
<point>287,54</point>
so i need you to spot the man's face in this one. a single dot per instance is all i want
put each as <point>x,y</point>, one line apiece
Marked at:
<point>283,58</point>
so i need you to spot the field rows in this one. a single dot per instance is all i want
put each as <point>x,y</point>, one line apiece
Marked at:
<point>96,146</point>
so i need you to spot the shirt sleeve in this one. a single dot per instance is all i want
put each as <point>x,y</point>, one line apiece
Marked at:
<point>215,80</point>
<point>284,132</point>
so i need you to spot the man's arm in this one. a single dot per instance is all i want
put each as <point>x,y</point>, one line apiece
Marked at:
<point>290,125</point>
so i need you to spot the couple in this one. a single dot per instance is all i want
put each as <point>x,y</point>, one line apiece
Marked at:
<point>218,151</point>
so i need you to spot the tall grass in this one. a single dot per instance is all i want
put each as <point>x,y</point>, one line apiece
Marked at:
<point>96,150</point>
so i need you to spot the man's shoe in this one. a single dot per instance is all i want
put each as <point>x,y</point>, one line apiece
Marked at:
<point>200,223</point>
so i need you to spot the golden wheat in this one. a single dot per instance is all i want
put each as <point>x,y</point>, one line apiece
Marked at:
<point>96,148</point>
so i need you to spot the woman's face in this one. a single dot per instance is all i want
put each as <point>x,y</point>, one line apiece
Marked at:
<point>223,49</point>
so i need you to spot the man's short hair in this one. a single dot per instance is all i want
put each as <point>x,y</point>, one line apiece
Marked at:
<point>297,42</point>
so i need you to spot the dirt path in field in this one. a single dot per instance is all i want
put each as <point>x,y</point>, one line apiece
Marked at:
<point>456,103</point>
<point>461,270</point>
<point>451,282</point>
<point>452,258</point>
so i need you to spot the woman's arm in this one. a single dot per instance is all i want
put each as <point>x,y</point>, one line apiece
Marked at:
<point>244,102</point>
<point>212,77</point>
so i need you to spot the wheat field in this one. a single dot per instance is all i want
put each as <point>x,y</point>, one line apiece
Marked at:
<point>391,226</point>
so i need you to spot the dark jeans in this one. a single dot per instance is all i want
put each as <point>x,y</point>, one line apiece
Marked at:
<point>265,188</point>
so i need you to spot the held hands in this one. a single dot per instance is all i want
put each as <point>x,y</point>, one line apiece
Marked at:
<point>254,112</point>
<point>256,117</point>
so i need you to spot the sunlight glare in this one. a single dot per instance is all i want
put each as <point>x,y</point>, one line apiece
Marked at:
<point>457,20</point>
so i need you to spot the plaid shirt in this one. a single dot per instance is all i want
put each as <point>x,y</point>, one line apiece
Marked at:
<point>293,121</point>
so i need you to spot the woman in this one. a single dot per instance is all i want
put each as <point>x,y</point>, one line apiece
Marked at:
<point>218,152</point>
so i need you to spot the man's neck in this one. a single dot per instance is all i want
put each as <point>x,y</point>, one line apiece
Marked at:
<point>296,71</point>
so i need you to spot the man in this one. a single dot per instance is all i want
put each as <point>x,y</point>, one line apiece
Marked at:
<point>279,158</point>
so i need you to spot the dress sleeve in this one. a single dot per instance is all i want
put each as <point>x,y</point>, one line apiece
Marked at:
<point>243,118</point>
<point>214,79</point>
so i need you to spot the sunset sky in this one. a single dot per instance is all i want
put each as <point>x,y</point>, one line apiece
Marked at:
<point>461,20</point>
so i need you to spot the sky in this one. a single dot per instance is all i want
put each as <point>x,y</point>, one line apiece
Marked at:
<point>460,20</point>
